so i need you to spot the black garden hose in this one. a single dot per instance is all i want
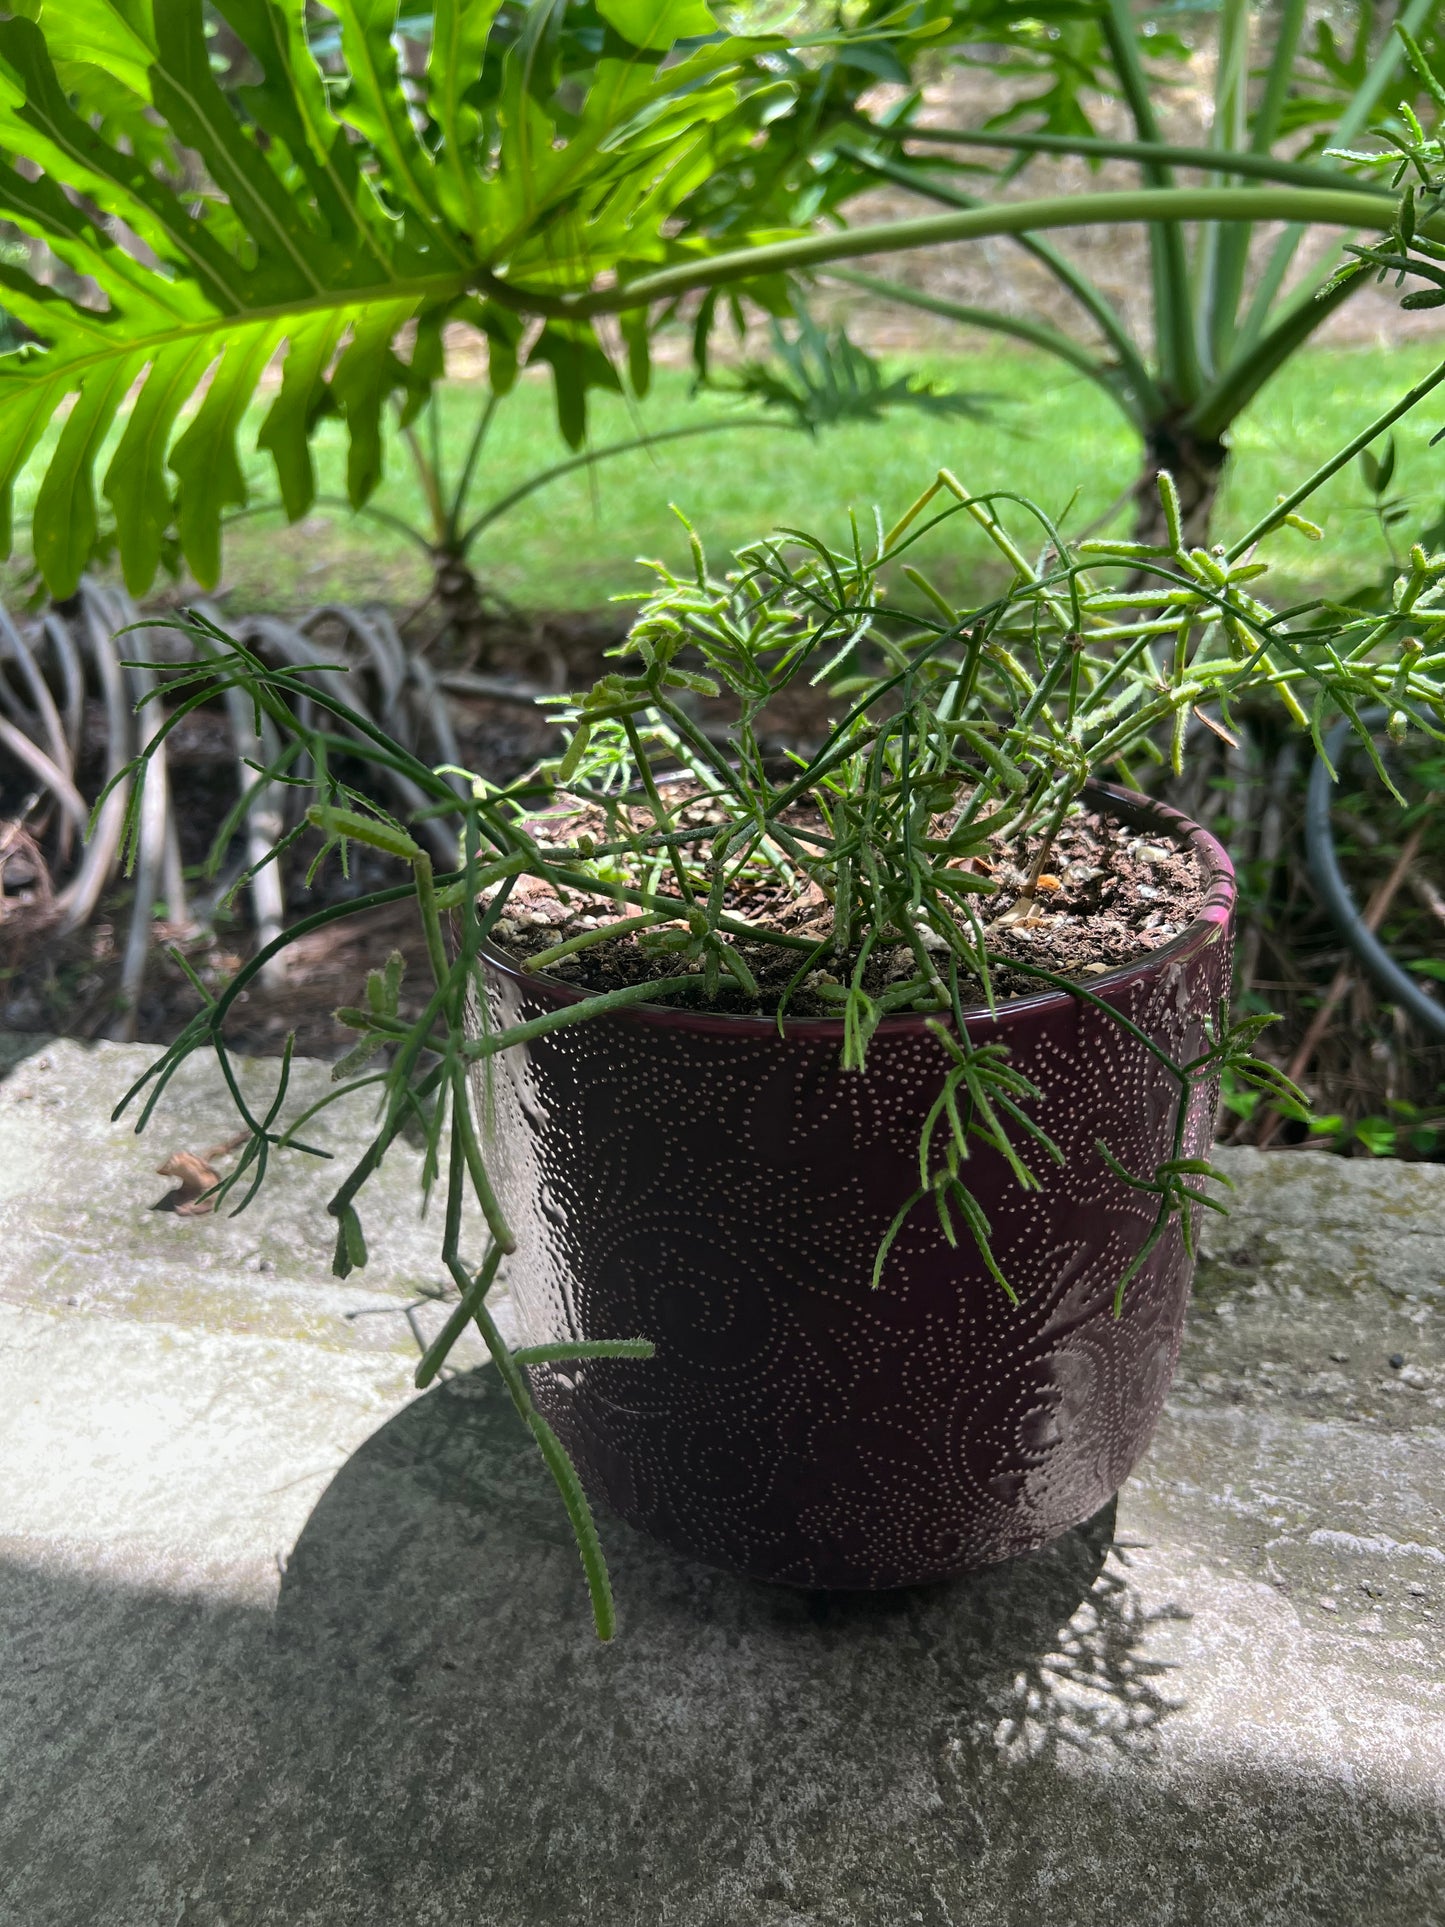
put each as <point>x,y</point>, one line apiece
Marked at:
<point>1395,984</point>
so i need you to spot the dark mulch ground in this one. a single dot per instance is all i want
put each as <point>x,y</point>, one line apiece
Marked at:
<point>68,984</point>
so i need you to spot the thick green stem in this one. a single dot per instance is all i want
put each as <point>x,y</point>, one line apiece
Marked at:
<point>1224,249</point>
<point>462,1315</point>
<point>1178,358</point>
<point>1278,83</point>
<point>476,1168</point>
<point>1257,356</point>
<point>1131,363</point>
<point>1324,207</point>
<point>1253,165</point>
<point>591,1007</point>
<point>426,897</point>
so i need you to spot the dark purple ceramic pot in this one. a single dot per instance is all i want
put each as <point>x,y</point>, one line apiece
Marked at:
<point>702,1182</point>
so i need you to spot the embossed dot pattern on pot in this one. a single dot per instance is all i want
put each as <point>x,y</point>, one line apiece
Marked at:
<point>699,1181</point>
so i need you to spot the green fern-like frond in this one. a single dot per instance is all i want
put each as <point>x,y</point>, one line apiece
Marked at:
<point>821,379</point>
<point>328,214</point>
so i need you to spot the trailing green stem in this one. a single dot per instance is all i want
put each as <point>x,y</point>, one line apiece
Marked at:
<point>1340,459</point>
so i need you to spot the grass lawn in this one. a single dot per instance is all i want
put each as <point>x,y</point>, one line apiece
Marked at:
<point>1050,436</point>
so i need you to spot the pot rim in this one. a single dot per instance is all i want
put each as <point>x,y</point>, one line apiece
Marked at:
<point>1126,806</point>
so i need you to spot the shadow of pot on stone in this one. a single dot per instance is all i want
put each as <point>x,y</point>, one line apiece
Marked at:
<point>736,1738</point>
<point>427,1734</point>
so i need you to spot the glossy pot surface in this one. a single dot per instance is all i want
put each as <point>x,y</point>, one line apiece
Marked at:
<point>703,1182</point>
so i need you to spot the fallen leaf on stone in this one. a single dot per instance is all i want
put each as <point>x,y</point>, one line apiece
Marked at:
<point>195,1176</point>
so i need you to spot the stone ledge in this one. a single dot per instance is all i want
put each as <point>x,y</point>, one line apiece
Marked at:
<point>78,1195</point>
<point>287,1644</point>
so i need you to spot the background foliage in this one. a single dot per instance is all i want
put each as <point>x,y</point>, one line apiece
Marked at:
<point>551,163</point>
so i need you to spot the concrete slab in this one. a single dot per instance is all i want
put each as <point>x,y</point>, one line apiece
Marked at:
<point>281,1642</point>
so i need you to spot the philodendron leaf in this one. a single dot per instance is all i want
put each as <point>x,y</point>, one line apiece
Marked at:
<point>64,527</point>
<point>637,334</point>
<point>295,257</point>
<point>291,105</point>
<point>428,362</point>
<point>26,407</point>
<point>205,458</point>
<point>376,106</point>
<point>503,331</point>
<point>460,30</point>
<point>578,364</point>
<point>365,376</point>
<point>286,431</point>
<point>657,24</point>
<point>213,219</point>
<point>135,483</point>
<point>99,34</point>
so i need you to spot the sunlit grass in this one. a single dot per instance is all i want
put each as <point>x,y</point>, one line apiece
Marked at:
<point>1050,436</point>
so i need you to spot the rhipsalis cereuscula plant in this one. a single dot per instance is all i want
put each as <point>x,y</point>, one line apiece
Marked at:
<point>952,727</point>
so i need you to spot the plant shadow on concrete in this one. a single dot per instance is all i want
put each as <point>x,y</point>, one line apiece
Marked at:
<point>427,1730</point>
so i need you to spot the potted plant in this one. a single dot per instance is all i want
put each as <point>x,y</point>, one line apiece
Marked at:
<point>840,1120</point>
